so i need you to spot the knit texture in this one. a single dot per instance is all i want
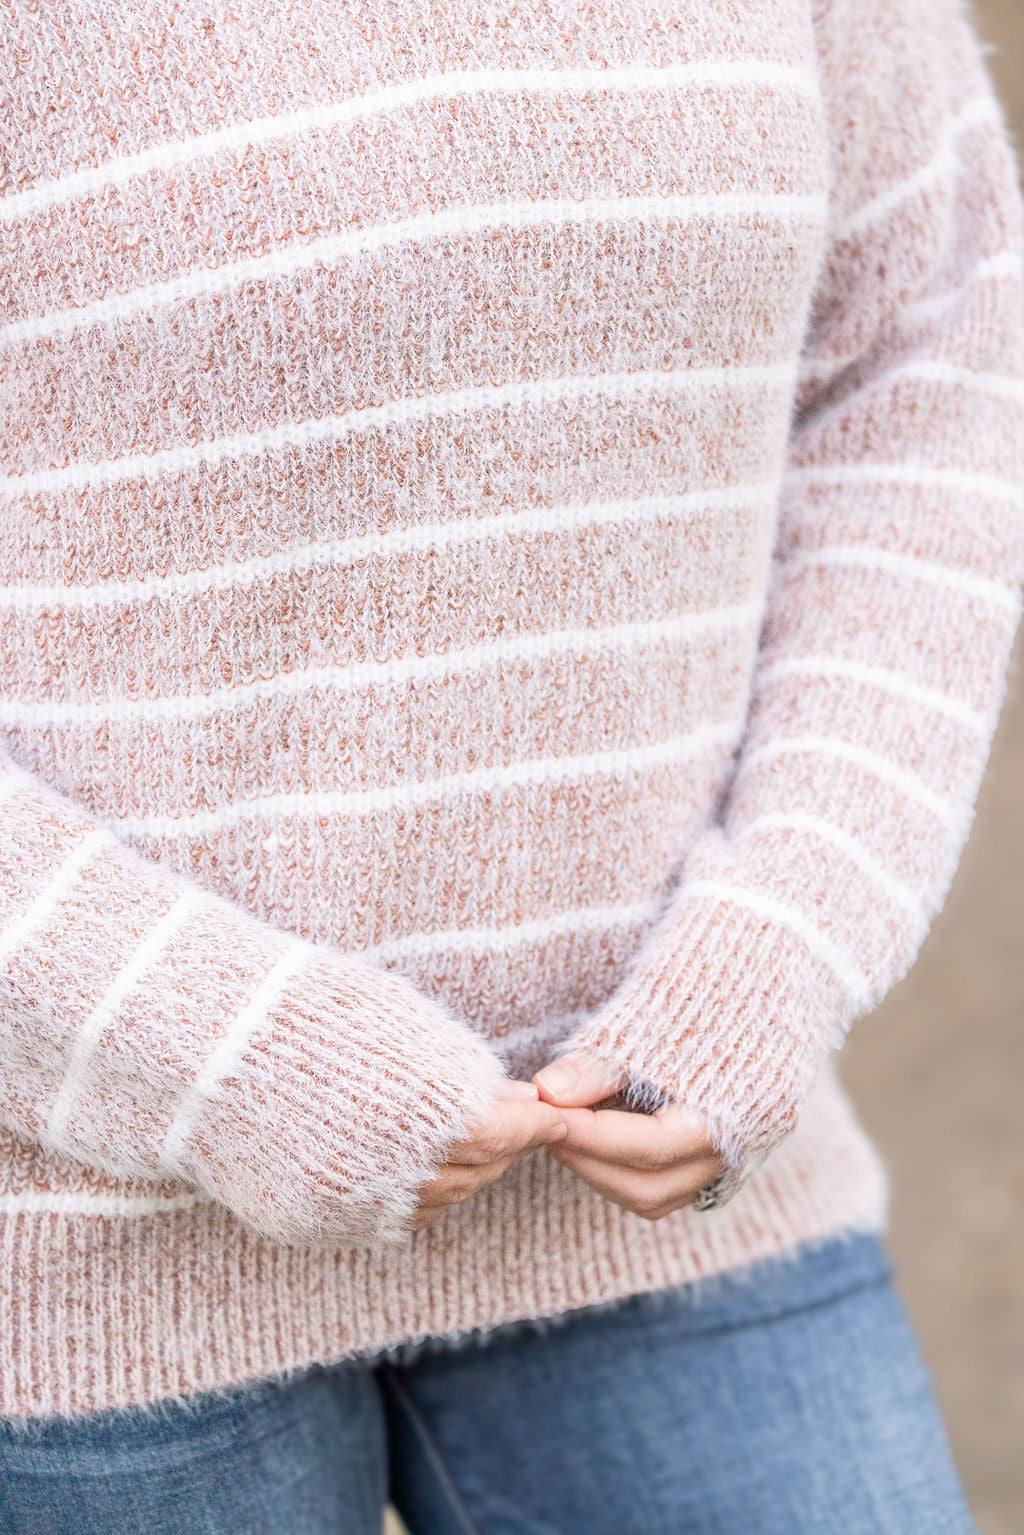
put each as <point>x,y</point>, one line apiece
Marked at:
<point>511,539</point>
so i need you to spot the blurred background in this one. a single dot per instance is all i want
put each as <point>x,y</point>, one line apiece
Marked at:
<point>937,1074</point>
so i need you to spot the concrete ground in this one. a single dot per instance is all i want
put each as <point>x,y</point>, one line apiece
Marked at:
<point>937,1074</point>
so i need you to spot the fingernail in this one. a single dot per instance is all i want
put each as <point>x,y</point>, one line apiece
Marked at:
<point>558,1132</point>
<point>558,1079</point>
<point>515,1089</point>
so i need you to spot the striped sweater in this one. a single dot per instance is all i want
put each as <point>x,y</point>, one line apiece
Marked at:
<point>511,533</point>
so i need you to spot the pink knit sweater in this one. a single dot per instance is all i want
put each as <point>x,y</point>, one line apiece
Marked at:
<point>511,531</point>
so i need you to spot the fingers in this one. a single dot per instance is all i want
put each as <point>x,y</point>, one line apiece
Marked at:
<point>645,1141</point>
<point>455,1183</point>
<point>647,1194</point>
<point>575,1081</point>
<point>516,1122</point>
<point>512,1088</point>
<point>511,1126</point>
<point>647,1163</point>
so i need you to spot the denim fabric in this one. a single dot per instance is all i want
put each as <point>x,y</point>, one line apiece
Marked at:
<point>788,1398</point>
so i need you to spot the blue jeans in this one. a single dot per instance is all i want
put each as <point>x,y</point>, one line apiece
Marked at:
<point>788,1398</point>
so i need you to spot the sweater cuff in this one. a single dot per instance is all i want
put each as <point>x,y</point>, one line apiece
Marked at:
<point>726,1012</point>
<point>344,1101</point>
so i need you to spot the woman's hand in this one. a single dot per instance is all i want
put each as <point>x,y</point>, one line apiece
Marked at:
<point>517,1122</point>
<point>647,1163</point>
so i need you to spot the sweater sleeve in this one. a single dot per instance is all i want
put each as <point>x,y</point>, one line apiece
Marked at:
<point>891,611</point>
<point>150,1029</point>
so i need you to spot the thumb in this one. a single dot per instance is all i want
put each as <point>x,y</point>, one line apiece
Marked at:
<point>574,1081</point>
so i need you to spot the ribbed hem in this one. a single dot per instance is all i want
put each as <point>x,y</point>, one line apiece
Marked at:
<point>106,1310</point>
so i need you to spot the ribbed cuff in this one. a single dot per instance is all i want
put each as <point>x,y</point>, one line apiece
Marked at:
<point>345,1100</point>
<point>726,1012</point>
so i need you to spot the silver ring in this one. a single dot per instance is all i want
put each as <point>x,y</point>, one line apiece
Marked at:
<point>707,1197</point>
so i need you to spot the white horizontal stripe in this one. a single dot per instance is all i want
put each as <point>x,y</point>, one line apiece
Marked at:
<point>519,394</point>
<point>893,563</point>
<point>815,826</point>
<point>388,544</point>
<point>45,1202</point>
<point>13,781</point>
<point>1005,264</point>
<point>815,369</point>
<point>391,673</point>
<point>845,971</point>
<point>230,1047</point>
<point>478,940</point>
<point>124,983</point>
<point>330,249</point>
<point>857,756</point>
<point>942,167</point>
<point>1000,385</point>
<point>45,904</point>
<point>725,74</point>
<point>878,677</point>
<point>964,482</point>
<point>530,772</point>
<point>990,268</point>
